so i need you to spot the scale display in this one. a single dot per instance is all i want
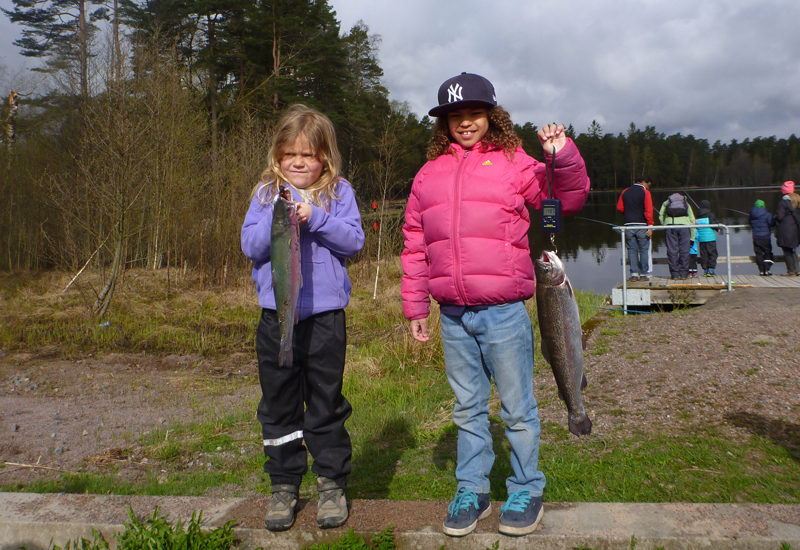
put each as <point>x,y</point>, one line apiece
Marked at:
<point>551,215</point>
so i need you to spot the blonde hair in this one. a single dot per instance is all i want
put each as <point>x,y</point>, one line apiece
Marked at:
<point>500,134</point>
<point>299,120</point>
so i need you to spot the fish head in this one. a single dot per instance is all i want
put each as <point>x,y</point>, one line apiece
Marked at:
<point>285,207</point>
<point>285,193</point>
<point>550,269</point>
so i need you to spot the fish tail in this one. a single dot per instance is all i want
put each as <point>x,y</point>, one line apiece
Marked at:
<point>285,358</point>
<point>580,425</point>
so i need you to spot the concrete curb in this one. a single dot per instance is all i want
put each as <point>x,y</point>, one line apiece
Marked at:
<point>35,521</point>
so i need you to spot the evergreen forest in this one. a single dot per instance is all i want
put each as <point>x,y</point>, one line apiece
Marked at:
<point>140,136</point>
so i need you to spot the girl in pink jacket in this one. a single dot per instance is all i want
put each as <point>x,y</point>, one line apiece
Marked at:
<point>466,245</point>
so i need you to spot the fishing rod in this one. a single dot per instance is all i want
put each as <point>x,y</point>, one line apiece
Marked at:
<point>738,211</point>
<point>691,199</point>
<point>596,221</point>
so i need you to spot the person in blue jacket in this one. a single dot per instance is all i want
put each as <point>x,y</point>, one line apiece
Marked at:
<point>707,239</point>
<point>761,222</point>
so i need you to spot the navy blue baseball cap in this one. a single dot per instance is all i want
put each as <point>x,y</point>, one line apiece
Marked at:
<point>464,91</point>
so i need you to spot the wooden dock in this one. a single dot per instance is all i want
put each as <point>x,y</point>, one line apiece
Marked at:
<point>695,290</point>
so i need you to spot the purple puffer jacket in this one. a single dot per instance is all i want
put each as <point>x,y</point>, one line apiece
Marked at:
<point>326,241</point>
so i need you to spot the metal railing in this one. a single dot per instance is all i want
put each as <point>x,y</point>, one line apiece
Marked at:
<point>622,228</point>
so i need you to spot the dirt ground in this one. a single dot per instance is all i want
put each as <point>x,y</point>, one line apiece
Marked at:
<point>733,363</point>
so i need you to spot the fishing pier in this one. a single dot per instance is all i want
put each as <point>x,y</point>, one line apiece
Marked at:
<point>694,290</point>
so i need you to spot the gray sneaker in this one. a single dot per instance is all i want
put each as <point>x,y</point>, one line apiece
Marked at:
<point>332,507</point>
<point>465,511</point>
<point>282,505</point>
<point>520,514</point>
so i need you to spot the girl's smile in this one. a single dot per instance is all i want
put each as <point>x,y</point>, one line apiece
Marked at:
<point>300,164</point>
<point>468,126</point>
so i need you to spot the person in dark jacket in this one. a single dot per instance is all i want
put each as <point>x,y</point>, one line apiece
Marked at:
<point>788,232</point>
<point>636,204</point>
<point>761,223</point>
<point>707,238</point>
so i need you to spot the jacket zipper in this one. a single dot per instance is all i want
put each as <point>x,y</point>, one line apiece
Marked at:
<point>456,219</point>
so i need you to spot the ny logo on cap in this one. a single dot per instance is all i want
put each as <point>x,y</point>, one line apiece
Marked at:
<point>454,93</point>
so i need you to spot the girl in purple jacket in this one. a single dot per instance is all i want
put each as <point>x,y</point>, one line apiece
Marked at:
<point>304,158</point>
<point>466,245</point>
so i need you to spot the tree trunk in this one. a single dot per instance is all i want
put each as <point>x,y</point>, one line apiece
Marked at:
<point>11,125</point>
<point>84,49</point>
<point>117,46</point>
<point>104,298</point>
<point>276,56</point>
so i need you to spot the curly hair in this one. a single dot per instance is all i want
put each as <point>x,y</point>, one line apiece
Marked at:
<point>500,134</point>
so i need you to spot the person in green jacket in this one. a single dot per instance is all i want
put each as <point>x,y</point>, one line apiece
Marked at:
<point>677,211</point>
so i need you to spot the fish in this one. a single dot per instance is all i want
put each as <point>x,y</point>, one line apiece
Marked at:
<point>562,337</point>
<point>286,276</point>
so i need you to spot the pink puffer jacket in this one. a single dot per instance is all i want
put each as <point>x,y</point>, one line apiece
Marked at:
<point>466,230</point>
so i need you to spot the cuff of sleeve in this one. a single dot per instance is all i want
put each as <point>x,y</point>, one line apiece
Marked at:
<point>565,155</point>
<point>316,219</point>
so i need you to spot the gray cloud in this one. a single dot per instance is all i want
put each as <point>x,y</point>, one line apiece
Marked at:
<point>718,69</point>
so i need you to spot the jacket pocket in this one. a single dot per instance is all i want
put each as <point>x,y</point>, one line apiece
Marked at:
<point>510,252</point>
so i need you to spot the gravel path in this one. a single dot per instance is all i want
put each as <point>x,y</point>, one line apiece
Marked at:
<point>733,363</point>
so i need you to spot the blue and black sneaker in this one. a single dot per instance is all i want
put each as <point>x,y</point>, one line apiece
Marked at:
<point>465,511</point>
<point>520,514</point>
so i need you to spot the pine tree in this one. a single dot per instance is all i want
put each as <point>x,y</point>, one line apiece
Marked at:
<point>59,30</point>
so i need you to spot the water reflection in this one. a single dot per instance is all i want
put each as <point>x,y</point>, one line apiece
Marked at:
<point>592,251</point>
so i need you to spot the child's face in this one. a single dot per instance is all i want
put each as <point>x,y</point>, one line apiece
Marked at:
<point>300,164</point>
<point>468,126</point>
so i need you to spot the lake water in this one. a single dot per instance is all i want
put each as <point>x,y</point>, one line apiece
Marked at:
<point>592,251</point>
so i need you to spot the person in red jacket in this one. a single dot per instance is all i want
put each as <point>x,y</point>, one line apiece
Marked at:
<point>466,245</point>
<point>636,204</point>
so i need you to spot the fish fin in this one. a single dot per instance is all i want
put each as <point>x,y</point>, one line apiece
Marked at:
<point>561,395</point>
<point>545,354</point>
<point>584,382</point>
<point>301,286</point>
<point>581,425</point>
<point>583,342</point>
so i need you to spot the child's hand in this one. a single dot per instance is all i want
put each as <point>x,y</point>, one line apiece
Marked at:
<point>303,213</point>
<point>419,330</point>
<point>551,135</point>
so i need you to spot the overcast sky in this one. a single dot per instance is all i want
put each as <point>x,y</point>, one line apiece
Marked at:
<point>717,69</point>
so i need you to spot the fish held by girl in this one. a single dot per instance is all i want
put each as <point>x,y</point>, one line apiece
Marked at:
<point>562,338</point>
<point>286,276</point>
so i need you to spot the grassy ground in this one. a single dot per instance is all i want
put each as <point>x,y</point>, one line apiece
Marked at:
<point>403,438</point>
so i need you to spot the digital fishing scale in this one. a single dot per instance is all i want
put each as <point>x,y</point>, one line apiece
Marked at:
<point>551,208</point>
<point>551,215</point>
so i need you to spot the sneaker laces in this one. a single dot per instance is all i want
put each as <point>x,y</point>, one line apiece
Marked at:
<point>331,495</point>
<point>517,502</point>
<point>282,499</point>
<point>464,500</point>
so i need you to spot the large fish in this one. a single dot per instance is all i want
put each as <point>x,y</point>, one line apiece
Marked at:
<point>286,277</point>
<point>562,338</point>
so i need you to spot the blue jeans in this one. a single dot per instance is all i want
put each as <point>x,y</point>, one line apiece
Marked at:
<point>638,244</point>
<point>496,342</point>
